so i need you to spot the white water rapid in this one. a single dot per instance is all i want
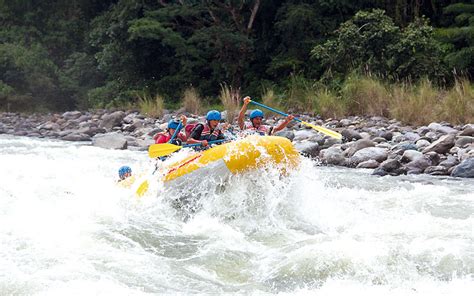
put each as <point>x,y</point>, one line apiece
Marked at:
<point>66,228</point>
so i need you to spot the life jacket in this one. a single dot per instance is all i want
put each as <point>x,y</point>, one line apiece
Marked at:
<point>208,135</point>
<point>206,132</point>
<point>261,130</point>
<point>164,137</point>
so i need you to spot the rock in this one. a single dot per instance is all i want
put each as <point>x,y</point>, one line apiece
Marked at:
<point>109,121</point>
<point>369,164</point>
<point>387,135</point>
<point>301,135</point>
<point>307,148</point>
<point>110,141</point>
<point>442,145</point>
<point>75,136</point>
<point>390,165</point>
<point>418,165</point>
<point>331,141</point>
<point>468,131</point>
<point>332,155</point>
<point>379,172</point>
<point>422,143</point>
<point>436,170</point>
<point>465,169</point>
<point>404,146</point>
<point>379,140</point>
<point>358,145</point>
<point>449,162</point>
<point>290,135</point>
<point>350,135</point>
<point>411,155</point>
<point>463,141</point>
<point>71,115</point>
<point>441,128</point>
<point>375,153</point>
<point>411,136</point>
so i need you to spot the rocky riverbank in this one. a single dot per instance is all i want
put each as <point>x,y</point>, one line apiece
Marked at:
<point>383,145</point>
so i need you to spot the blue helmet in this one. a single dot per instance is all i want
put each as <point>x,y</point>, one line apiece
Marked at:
<point>123,170</point>
<point>213,115</point>
<point>256,113</point>
<point>173,124</point>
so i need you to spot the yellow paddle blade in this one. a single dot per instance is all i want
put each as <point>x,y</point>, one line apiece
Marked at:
<point>143,188</point>
<point>323,130</point>
<point>158,150</point>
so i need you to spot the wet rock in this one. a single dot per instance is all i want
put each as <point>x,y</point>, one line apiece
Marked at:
<point>422,143</point>
<point>379,172</point>
<point>358,145</point>
<point>307,148</point>
<point>301,135</point>
<point>441,128</point>
<point>109,121</point>
<point>465,169</point>
<point>463,141</point>
<point>418,165</point>
<point>387,135</point>
<point>375,153</point>
<point>369,164</point>
<point>449,162</point>
<point>110,141</point>
<point>468,131</point>
<point>411,155</point>
<point>75,136</point>
<point>350,135</point>
<point>436,170</point>
<point>442,145</point>
<point>290,135</point>
<point>332,155</point>
<point>328,142</point>
<point>390,165</point>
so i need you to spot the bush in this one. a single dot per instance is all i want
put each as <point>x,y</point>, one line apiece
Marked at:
<point>152,107</point>
<point>230,99</point>
<point>192,103</point>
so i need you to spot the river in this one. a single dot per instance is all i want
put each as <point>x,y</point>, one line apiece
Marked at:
<point>66,228</point>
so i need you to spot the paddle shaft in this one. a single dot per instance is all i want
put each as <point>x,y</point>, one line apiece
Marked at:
<point>274,110</point>
<point>176,131</point>
<point>199,144</point>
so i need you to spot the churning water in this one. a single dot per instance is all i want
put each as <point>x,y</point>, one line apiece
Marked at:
<point>66,228</point>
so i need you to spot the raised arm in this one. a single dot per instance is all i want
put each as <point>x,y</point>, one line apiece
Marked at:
<point>241,117</point>
<point>283,124</point>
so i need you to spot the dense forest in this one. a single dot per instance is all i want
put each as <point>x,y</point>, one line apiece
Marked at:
<point>79,54</point>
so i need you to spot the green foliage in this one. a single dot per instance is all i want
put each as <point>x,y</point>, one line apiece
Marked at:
<point>371,43</point>
<point>459,38</point>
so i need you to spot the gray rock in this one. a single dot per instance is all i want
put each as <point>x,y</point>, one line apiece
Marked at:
<point>379,172</point>
<point>75,136</point>
<point>332,155</point>
<point>358,145</point>
<point>465,169</point>
<point>468,131</point>
<point>290,135</point>
<point>71,115</point>
<point>463,141</point>
<point>351,134</point>
<point>436,170</point>
<point>390,165</point>
<point>442,145</point>
<point>109,121</point>
<point>301,135</point>
<point>110,141</point>
<point>369,164</point>
<point>387,135</point>
<point>422,143</point>
<point>449,162</point>
<point>441,128</point>
<point>375,153</point>
<point>411,155</point>
<point>331,141</point>
<point>418,165</point>
<point>307,148</point>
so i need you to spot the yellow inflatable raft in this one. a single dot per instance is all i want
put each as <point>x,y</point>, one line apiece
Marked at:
<point>232,158</point>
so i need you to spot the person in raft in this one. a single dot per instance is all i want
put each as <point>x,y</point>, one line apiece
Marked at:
<point>164,137</point>
<point>207,131</point>
<point>256,117</point>
<point>124,173</point>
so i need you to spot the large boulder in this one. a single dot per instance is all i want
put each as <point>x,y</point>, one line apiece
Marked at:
<point>307,148</point>
<point>358,145</point>
<point>465,169</point>
<point>110,141</point>
<point>332,155</point>
<point>112,120</point>
<point>375,153</point>
<point>442,145</point>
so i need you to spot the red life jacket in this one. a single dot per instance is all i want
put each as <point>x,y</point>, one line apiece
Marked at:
<point>262,129</point>
<point>164,137</point>
<point>206,131</point>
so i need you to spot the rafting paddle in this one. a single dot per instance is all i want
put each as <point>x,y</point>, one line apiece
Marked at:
<point>316,127</point>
